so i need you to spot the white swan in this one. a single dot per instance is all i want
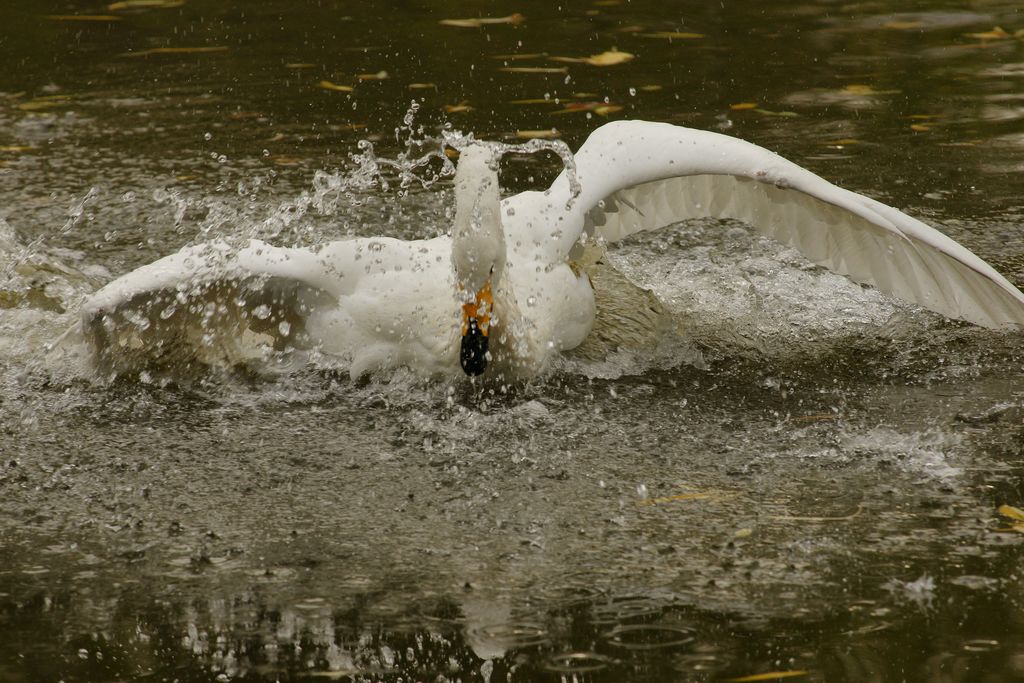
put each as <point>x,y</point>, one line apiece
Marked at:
<point>502,287</point>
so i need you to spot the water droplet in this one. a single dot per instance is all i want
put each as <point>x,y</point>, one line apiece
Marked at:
<point>207,136</point>
<point>262,311</point>
<point>284,328</point>
<point>632,92</point>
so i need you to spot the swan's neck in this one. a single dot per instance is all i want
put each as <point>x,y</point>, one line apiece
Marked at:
<point>478,240</point>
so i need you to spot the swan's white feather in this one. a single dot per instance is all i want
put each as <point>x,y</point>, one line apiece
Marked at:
<point>382,302</point>
<point>377,302</point>
<point>638,176</point>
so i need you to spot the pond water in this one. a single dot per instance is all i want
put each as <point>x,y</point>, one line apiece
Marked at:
<point>800,480</point>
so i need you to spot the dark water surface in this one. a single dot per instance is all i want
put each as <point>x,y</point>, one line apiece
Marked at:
<point>803,480</point>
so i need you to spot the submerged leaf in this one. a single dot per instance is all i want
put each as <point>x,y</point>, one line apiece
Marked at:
<point>328,85</point>
<point>783,114</point>
<point>740,106</point>
<point>458,108</point>
<point>997,33</point>
<point>81,17</point>
<point>902,25</point>
<point>144,4</point>
<point>176,51</point>
<point>673,35</point>
<point>682,496</point>
<point>422,86</point>
<point>515,18</point>
<point>920,127</point>
<point>534,69</point>
<point>379,76</point>
<point>1011,512</point>
<point>536,100</point>
<point>768,676</point>
<point>607,58</point>
<point>15,148</point>
<point>520,57</point>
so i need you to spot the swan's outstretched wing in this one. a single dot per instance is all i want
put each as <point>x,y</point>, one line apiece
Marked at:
<point>641,176</point>
<point>369,302</point>
<point>205,305</point>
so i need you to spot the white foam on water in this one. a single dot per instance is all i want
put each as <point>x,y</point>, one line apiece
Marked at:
<point>931,454</point>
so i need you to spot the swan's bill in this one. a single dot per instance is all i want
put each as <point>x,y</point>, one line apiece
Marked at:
<point>476,328</point>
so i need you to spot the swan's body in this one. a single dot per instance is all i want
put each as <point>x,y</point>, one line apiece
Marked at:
<point>382,302</point>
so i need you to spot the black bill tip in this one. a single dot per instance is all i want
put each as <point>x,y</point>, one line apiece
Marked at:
<point>473,355</point>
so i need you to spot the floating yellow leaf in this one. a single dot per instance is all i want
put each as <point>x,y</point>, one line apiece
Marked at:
<point>144,4</point>
<point>457,108</point>
<point>81,17</point>
<point>379,76</point>
<point>1011,512</point>
<point>902,25</point>
<point>483,21</point>
<point>299,65</point>
<point>768,676</point>
<point>650,88</point>
<point>177,51</point>
<point>607,58</point>
<point>740,106</point>
<point>15,148</point>
<point>534,69</point>
<point>996,33</point>
<point>599,108</point>
<point>674,35</point>
<point>422,86</point>
<point>328,85</point>
<point>548,134</point>
<point>861,89</point>
<point>745,532</point>
<point>45,102</point>
<point>920,127</point>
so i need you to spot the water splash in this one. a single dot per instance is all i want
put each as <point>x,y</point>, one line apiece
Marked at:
<point>459,140</point>
<point>15,256</point>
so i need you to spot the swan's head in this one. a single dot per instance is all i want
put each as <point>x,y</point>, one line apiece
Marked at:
<point>478,248</point>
